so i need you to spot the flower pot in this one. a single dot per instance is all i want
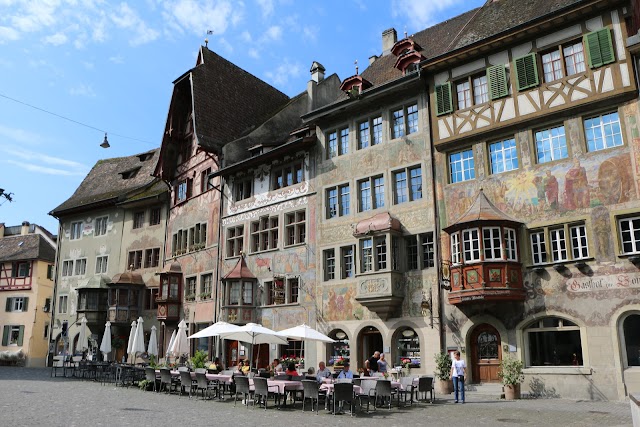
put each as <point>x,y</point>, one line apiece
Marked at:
<point>511,391</point>
<point>443,387</point>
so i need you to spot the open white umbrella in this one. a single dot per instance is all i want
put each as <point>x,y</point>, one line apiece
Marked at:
<point>138,339</point>
<point>181,345</point>
<point>255,334</point>
<point>153,343</point>
<point>83,341</point>
<point>215,330</point>
<point>304,333</point>
<point>105,345</point>
<point>132,335</point>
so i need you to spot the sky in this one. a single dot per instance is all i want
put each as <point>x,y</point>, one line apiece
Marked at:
<point>99,66</point>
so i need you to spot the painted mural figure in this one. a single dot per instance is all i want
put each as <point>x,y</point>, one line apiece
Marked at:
<point>550,184</point>
<point>539,183</point>
<point>576,188</point>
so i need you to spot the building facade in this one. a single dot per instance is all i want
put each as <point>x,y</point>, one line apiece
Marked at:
<point>27,257</point>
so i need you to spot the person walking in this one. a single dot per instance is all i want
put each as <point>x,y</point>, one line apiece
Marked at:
<point>382,364</point>
<point>458,372</point>
<point>373,363</point>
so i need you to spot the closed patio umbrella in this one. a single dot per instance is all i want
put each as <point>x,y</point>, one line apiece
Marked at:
<point>138,339</point>
<point>171,341</point>
<point>105,345</point>
<point>132,335</point>
<point>83,341</point>
<point>153,343</point>
<point>181,345</point>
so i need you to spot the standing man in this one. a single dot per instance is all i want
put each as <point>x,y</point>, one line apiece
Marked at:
<point>323,372</point>
<point>458,371</point>
<point>373,363</point>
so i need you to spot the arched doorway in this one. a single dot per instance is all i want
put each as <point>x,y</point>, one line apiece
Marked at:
<point>339,351</point>
<point>369,341</point>
<point>486,354</point>
<point>630,340</point>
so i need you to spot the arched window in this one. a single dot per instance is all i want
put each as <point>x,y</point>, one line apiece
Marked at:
<point>339,351</point>
<point>408,345</point>
<point>631,332</point>
<point>553,341</point>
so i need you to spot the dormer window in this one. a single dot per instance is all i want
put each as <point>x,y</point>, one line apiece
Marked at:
<point>355,85</point>
<point>242,189</point>
<point>408,53</point>
<point>288,175</point>
<point>130,173</point>
<point>145,156</point>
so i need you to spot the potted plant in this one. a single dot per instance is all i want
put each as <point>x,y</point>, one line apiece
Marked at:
<point>198,360</point>
<point>443,384</point>
<point>510,371</point>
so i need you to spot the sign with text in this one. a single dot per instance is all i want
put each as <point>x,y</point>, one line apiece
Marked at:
<point>603,283</point>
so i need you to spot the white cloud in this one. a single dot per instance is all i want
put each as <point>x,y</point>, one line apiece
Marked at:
<point>273,33</point>
<point>88,65</point>
<point>56,39</point>
<point>8,34</point>
<point>34,16</point>
<point>19,135</point>
<point>197,17</point>
<point>45,170</point>
<point>82,90</point>
<point>310,33</point>
<point>245,36</point>
<point>224,44</point>
<point>285,71</point>
<point>118,59</point>
<point>127,18</point>
<point>421,14</point>
<point>43,158</point>
<point>266,6</point>
<point>42,163</point>
<point>254,53</point>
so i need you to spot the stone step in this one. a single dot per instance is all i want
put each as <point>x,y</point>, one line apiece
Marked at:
<point>491,389</point>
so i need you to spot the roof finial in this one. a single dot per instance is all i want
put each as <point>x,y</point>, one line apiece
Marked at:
<point>405,32</point>
<point>356,62</point>
<point>206,41</point>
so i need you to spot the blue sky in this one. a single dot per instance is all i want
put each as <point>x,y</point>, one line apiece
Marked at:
<point>109,65</point>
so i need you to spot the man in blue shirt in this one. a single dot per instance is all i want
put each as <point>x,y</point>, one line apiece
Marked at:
<point>323,372</point>
<point>346,373</point>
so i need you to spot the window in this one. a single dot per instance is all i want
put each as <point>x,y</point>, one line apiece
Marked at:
<point>190,287</point>
<point>492,243</point>
<point>338,143</point>
<point>631,339</point>
<point>558,245</point>
<point>526,71</point>
<point>603,131</point>
<point>404,121</point>
<point>67,268</point>
<point>579,246</point>
<point>463,91</point>
<point>373,254</point>
<point>135,260</point>
<point>567,242</point>
<point>101,226</point>
<point>471,245</point>
<point>402,180</point>
<point>552,66</point>
<point>197,237</point>
<point>138,219</point>
<point>574,58</point>
<point>12,335</point>
<point>154,217</point>
<point>151,257</point>
<point>76,230</point>
<point>293,286</point>
<point>17,304</point>
<point>461,166</point>
<point>50,272</point>
<point>569,56</point>
<point>428,250</point>
<point>412,252</point>
<point>264,234</point>
<point>101,264</point>
<point>151,303</point>
<point>183,190</point>
<point>368,199</point>
<point>329,256</point>
<point>240,293</point>
<point>510,244</point>
<point>553,341</point>
<point>288,175</point>
<point>472,91</point>
<point>206,183</point>
<point>423,258</point>
<point>337,201</point>
<point>503,156</point>
<point>179,242</point>
<point>62,304</point>
<point>20,269</point>
<point>551,144</point>
<point>629,229</point>
<point>81,267</point>
<point>538,247</point>
<point>455,248</point>
<point>346,253</point>
<point>295,227</point>
<point>370,132</point>
<point>235,240</point>
<point>408,344</point>
<point>243,189</point>
<point>600,48</point>
<point>206,285</point>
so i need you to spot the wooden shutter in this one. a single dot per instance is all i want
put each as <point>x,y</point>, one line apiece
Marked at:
<point>599,47</point>
<point>26,304</point>
<point>497,76</point>
<point>526,71</point>
<point>5,335</point>
<point>8,306</point>
<point>21,335</point>
<point>444,103</point>
<point>50,272</point>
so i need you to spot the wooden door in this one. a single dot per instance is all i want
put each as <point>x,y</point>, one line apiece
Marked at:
<point>232,354</point>
<point>486,354</point>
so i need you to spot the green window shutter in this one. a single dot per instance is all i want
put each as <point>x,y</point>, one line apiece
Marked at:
<point>444,101</point>
<point>26,304</point>
<point>50,272</point>
<point>5,335</point>
<point>8,306</point>
<point>497,76</point>
<point>21,335</point>
<point>600,48</point>
<point>526,71</point>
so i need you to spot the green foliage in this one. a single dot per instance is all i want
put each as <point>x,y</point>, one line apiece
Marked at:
<point>199,359</point>
<point>143,384</point>
<point>511,371</point>
<point>443,366</point>
<point>153,363</point>
<point>117,342</point>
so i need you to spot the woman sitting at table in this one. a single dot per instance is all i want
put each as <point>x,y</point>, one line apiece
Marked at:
<point>346,373</point>
<point>246,368</point>
<point>291,370</point>
<point>216,365</point>
<point>276,366</point>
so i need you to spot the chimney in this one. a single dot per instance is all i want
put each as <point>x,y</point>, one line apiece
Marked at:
<point>389,38</point>
<point>317,72</point>
<point>1,230</point>
<point>25,228</point>
<point>372,59</point>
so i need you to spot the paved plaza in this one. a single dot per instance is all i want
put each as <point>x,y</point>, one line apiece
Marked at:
<point>31,398</point>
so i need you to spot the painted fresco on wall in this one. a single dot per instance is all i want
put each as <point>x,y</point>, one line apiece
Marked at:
<point>340,304</point>
<point>414,290</point>
<point>546,193</point>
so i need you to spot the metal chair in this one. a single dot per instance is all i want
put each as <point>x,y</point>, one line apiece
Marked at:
<point>343,392</point>
<point>187,382</point>
<point>311,391</point>
<point>242,387</point>
<point>425,385</point>
<point>150,376</point>
<point>168,381</point>
<point>205,385</point>
<point>368,388</point>
<point>383,391</point>
<point>261,392</point>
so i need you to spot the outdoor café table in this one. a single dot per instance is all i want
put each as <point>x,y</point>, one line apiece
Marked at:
<point>328,387</point>
<point>283,386</point>
<point>219,377</point>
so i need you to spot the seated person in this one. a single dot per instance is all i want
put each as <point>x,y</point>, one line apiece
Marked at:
<point>346,372</point>
<point>276,366</point>
<point>246,368</point>
<point>216,365</point>
<point>240,367</point>
<point>323,372</point>
<point>291,370</point>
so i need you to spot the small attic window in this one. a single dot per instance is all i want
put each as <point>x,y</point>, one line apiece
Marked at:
<point>130,173</point>
<point>145,156</point>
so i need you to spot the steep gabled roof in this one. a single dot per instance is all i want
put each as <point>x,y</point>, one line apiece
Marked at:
<point>106,183</point>
<point>26,247</point>
<point>240,271</point>
<point>482,210</point>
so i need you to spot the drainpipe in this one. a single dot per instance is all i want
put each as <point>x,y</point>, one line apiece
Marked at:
<point>55,294</point>
<point>218,341</point>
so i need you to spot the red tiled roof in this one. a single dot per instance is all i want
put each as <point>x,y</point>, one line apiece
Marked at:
<point>481,210</point>
<point>240,271</point>
<point>380,222</point>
